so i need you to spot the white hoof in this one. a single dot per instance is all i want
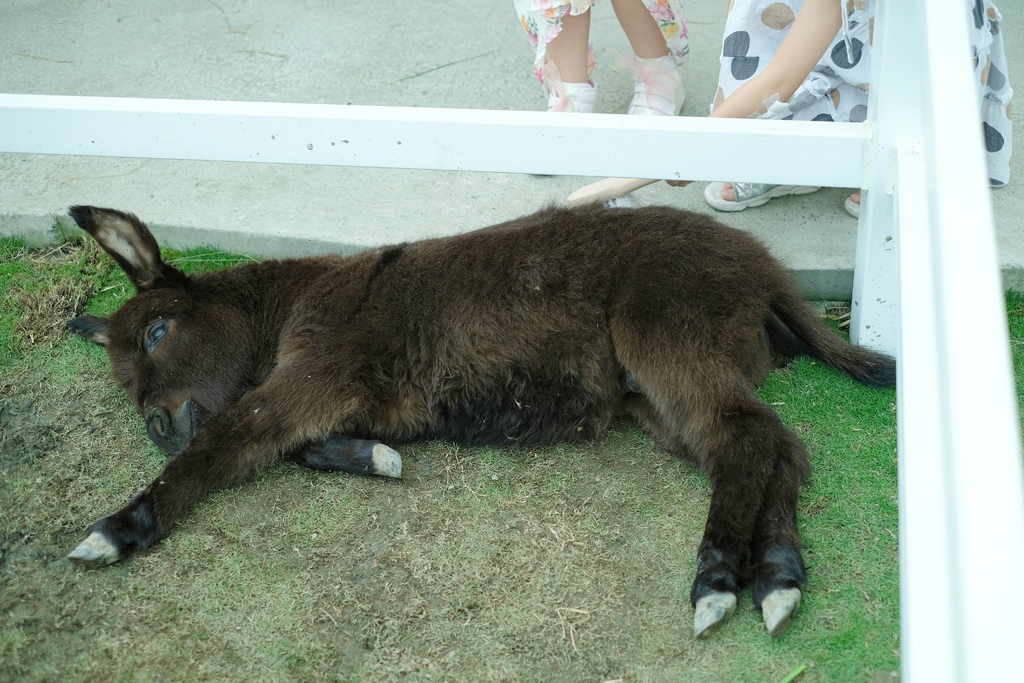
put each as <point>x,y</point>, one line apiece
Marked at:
<point>95,551</point>
<point>778,608</point>
<point>711,612</point>
<point>386,461</point>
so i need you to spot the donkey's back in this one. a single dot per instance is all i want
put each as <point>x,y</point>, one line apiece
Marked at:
<point>541,329</point>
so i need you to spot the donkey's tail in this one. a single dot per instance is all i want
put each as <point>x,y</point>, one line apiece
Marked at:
<point>795,329</point>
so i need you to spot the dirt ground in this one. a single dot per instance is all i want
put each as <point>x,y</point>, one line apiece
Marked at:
<point>570,563</point>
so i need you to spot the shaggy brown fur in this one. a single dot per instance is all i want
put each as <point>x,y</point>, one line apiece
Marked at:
<point>541,329</point>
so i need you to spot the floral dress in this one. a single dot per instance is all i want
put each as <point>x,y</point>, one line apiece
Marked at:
<point>837,88</point>
<point>542,21</point>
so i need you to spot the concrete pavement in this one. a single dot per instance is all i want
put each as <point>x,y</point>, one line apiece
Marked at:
<point>442,54</point>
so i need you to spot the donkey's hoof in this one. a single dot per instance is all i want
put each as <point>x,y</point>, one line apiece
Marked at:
<point>386,461</point>
<point>95,551</point>
<point>778,608</point>
<point>711,612</point>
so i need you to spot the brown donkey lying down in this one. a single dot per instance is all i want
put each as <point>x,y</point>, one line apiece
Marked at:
<point>542,329</point>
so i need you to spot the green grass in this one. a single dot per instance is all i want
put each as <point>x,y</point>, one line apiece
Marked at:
<point>1015,308</point>
<point>570,563</point>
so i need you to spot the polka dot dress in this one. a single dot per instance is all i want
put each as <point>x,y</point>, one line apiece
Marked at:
<point>996,94</point>
<point>837,88</point>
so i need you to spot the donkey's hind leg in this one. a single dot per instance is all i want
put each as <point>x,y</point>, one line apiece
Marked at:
<point>742,444</point>
<point>745,450</point>
<point>340,453</point>
<point>779,574</point>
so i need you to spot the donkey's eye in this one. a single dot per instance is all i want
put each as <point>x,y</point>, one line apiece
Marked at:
<point>156,332</point>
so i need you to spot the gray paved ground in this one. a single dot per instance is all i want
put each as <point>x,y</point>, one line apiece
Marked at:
<point>440,54</point>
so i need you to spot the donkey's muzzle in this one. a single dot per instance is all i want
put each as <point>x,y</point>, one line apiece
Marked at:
<point>172,432</point>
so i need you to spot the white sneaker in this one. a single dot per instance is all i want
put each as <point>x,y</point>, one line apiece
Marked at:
<point>568,97</point>
<point>573,97</point>
<point>657,86</point>
<point>626,201</point>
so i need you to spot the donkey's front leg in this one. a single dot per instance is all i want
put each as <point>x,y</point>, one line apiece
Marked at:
<point>113,538</point>
<point>232,445</point>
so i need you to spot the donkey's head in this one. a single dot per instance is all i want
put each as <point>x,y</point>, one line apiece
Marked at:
<point>177,348</point>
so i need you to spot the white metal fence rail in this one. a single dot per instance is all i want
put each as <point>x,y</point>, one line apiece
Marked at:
<point>961,500</point>
<point>959,460</point>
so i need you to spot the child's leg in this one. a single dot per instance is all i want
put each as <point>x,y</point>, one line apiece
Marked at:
<point>641,29</point>
<point>545,23</point>
<point>570,49</point>
<point>566,74</point>
<point>564,57</point>
<point>658,89</point>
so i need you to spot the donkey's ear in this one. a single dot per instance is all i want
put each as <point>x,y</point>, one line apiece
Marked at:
<point>92,328</point>
<point>129,241</point>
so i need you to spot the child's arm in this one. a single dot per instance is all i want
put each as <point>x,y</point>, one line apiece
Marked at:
<point>812,32</point>
<point>815,26</point>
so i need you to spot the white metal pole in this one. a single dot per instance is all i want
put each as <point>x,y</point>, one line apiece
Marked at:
<point>962,485</point>
<point>893,107</point>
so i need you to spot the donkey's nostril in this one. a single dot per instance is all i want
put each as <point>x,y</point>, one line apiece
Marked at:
<point>158,422</point>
